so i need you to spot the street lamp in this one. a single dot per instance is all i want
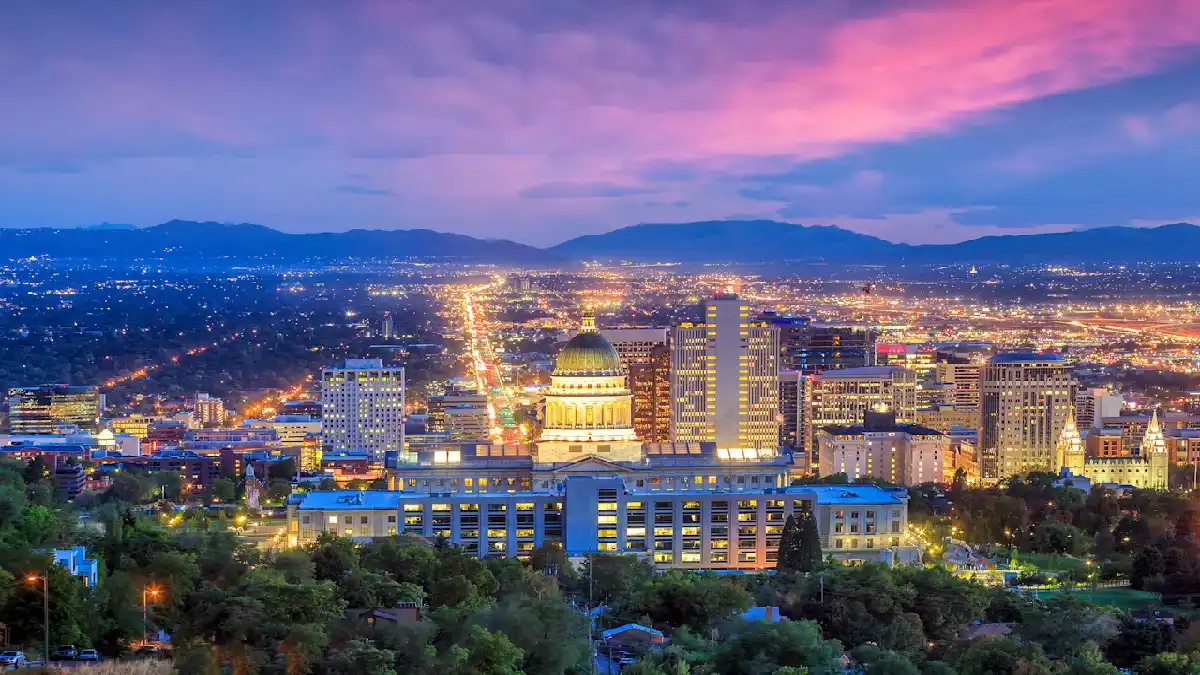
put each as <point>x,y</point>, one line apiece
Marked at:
<point>153,592</point>
<point>45,579</point>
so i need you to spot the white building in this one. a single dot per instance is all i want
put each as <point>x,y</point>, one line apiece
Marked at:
<point>965,380</point>
<point>905,454</point>
<point>209,410</point>
<point>292,429</point>
<point>362,407</point>
<point>1092,405</point>
<point>725,378</point>
<point>589,407</point>
<point>844,397</point>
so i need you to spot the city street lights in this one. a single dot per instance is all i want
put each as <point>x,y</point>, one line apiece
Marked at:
<point>45,579</point>
<point>153,592</point>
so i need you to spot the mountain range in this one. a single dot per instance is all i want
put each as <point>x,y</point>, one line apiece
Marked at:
<point>710,241</point>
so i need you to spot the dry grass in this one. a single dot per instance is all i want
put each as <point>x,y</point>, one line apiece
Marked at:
<point>143,667</point>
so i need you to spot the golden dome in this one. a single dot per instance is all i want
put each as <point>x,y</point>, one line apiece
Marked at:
<point>588,353</point>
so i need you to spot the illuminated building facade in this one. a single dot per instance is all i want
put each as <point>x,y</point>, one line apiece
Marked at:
<point>291,429</point>
<point>469,419</point>
<point>904,454</point>
<point>964,377</point>
<point>689,529</point>
<point>588,407</point>
<point>646,355</point>
<point>209,410</point>
<point>843,397</point>
<point>587,431</point>
<point>46,409</point>
<point>1092,405</point>
<point>815,348</point>
<point>1148,469</point>
<point>1025,400</point>
<point>921,359</point>
<point>946,417</point>
<point>362,405</point>
<point>133,425</point>
<point>725,378</point>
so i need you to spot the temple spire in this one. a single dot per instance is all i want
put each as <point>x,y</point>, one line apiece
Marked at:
<point>1153,442</point>
<point>1070,444</point>
<point>589,321</point>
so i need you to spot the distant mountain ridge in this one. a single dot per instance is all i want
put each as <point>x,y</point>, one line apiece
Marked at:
<point>764,240</point>
<point>710,241</point>
<point>180,238</point>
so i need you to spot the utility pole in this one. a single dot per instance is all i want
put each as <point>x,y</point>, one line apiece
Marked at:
<point>45,578</point>
<point>821,579</point>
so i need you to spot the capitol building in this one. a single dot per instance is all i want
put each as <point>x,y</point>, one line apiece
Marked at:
<point>587,431</point>
<point>590,485</point>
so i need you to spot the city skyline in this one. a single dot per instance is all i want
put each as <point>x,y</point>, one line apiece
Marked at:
<point>916,122</point>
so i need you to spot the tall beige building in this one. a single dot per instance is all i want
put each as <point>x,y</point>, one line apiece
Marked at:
<point>843,397</point>
<point>725,378</point>
<point>1025,400</point>
<point>965,378</point>
<point>362,407</point>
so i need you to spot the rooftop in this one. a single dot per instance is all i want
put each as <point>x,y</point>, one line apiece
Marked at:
<point>865,371</point>
<point>1026,357</point>
<point>350,499</point>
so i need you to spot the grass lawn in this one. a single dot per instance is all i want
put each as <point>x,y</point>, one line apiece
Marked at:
<point>1121,598</point>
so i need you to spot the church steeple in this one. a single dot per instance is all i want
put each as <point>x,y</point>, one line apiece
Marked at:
<point>1069,450</point>
<point>1153,441</point>
<point>589,321</point>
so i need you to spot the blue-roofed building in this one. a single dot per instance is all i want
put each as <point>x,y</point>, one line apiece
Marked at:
<point>693,529</point>
<point>76,561</point>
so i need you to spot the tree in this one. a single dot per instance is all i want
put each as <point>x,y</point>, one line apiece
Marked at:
<point>994,655</point>
<point>360,657</point>
<point>614,577</point>
<point>800,544</point>
<point>406,559</point>
<point>549,633</point>
<point>334,557</point>
<point>1169,663</point>
<point>482,652</point>
<point>760,647</point>
<point>1090,662</point>
<point>1147,564</point>
<point>224,490</point>
<point>678,598</point>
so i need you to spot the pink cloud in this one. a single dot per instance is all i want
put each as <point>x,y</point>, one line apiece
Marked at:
<point>459,107</point>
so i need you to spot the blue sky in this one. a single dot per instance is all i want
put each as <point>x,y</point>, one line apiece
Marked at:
<point>534,120</point>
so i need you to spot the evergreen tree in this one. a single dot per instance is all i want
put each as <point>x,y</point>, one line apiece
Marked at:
<point>800,544</point>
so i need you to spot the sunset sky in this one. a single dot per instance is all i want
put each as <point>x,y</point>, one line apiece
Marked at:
<point>536,121</point>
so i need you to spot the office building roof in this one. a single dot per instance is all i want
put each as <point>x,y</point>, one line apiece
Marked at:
<point>1025,357</point>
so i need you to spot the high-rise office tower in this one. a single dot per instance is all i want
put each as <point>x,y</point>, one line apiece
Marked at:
<point>921,359</point>
<point>1024,402</point>
<point>965,378</point>
<point>791,408</point>
<point>209,410</point>
<point>725,378</point>
<point>815,348</point>
<point>1092,405</point>
<point>843,397</point>
<point>387,326</point>
<point>42,410</point>
<point>463,414</point>
<point>646,354</point>
<point>362,407</point>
